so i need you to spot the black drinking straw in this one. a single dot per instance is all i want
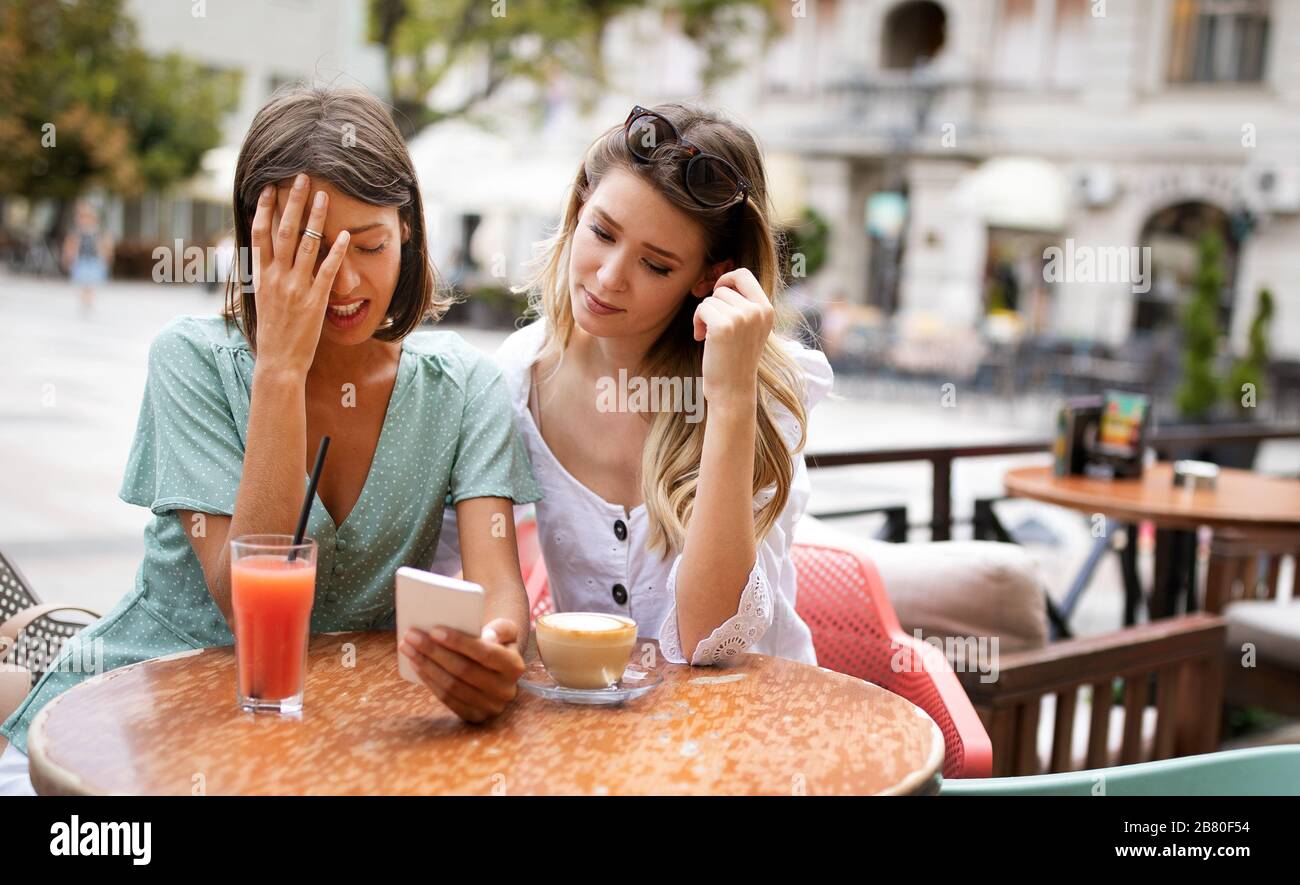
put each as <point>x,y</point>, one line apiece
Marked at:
<point>311,493</point>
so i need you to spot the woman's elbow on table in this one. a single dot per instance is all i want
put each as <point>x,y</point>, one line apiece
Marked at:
<point>721,643</point>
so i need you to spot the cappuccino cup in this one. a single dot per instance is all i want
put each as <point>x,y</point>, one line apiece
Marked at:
<point>585,649</point>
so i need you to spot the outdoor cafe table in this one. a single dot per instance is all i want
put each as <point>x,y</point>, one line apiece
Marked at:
<point>763,726</point>
<point>1243,504</point>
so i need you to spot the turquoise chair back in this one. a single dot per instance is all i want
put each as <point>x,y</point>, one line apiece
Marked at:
<point>1257,771</point>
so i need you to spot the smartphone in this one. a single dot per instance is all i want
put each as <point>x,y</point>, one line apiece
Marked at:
<point>426,600</point>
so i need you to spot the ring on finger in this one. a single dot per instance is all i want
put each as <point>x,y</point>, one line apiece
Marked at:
<point>308,232</point>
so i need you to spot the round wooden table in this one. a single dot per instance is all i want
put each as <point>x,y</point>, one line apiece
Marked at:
<point>1241,500</point>
<point>1244,508</point>
<point>763,726</point>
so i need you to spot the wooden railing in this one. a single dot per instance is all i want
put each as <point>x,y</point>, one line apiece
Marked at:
<point>1180,659</point>
<point>941,459</point>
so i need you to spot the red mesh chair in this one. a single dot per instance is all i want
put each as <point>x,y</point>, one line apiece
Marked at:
<point>855,631</point>
<point>539,594</point>
<point>530,548</point>
<point>533,568</point>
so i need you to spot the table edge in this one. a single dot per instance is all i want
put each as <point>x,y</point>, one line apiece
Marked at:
<point>48,777</point>
<point>1126,513</point>
<point>933,765</point>
<point>67,782</point>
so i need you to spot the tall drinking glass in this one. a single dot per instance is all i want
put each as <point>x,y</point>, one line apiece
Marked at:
<point>272,585</point>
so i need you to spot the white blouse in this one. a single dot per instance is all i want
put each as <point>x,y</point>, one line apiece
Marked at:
<point>594,552</point>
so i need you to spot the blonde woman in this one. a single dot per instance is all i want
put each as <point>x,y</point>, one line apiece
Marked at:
<point>676,510</point>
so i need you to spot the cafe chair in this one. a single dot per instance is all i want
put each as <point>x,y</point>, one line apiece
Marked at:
<point>30,635</point>
<point>1139,694</point>
<point>1256,771</point>
<point>855,631</point>
<point>532,567</point>
<point>1143,693</point>
<point>530,548</point>
<point>1262,647</point>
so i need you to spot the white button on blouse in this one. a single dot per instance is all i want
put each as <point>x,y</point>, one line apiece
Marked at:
<point>595,552</point>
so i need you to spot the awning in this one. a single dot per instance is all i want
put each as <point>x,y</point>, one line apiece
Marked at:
<point>1023,193</point>
<point>215,180</point>
<point>463,168</point>
<point>787,187</point>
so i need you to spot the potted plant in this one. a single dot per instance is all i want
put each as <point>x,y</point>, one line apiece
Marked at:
<point>1204,397</point>
<point>494,306</point>
<point>1245,383</point>
<point>808,238</point>
<point>1198,392</point>
<point>804,249</point>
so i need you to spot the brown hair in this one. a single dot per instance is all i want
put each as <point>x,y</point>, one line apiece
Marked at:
<point>346,137</point>
<point>743,232</point>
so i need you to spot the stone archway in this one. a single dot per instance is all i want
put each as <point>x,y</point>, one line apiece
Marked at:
<point>1173,232</point>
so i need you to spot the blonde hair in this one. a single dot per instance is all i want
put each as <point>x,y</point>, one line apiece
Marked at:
<point>670,461</point>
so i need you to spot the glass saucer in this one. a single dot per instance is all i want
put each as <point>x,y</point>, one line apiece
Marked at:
<point>636,681</point>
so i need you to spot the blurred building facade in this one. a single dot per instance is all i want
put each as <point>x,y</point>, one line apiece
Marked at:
<point>1009,127</point>
<point>953,145</point>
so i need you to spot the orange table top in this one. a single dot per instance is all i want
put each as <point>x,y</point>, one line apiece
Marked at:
<point>1241,500</point>
<point>763,726</point>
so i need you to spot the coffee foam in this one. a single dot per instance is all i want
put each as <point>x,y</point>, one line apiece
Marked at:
<point>586,622</point>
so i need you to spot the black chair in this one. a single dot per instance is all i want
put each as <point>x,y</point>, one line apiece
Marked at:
<point>30,635</point>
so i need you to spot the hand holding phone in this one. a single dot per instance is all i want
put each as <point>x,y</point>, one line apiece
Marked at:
<point>426,600</point>
<point>471,669</point>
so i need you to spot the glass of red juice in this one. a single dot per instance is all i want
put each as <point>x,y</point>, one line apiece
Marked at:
<point>272,584</point>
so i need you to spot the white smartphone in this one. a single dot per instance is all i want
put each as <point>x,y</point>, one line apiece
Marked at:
<point>426,600</point>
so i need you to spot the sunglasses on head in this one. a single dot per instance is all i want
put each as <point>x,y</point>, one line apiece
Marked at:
<point>710,180</point>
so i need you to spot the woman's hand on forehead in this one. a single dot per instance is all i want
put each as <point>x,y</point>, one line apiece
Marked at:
<point>283,193</point>
<point>289,289</point>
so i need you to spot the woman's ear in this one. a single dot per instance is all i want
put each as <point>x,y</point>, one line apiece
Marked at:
<point>406,231</point>
<point>704,285</point>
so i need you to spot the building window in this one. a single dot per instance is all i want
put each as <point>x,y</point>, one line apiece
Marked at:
<point>1041,44</point>
<point>1069,58</point>
<point>913,35</point>
<point>1218,41</point>
<point>1017,40</point>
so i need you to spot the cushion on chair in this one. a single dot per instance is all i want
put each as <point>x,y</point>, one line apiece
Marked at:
<point>1273,626</point>
<point>954,588</point>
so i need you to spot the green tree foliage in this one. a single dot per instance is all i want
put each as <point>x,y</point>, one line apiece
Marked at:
<point>82,105</point>
<point>528,40</point>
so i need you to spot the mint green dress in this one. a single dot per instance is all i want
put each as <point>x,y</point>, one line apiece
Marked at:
<point>448,435</point>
